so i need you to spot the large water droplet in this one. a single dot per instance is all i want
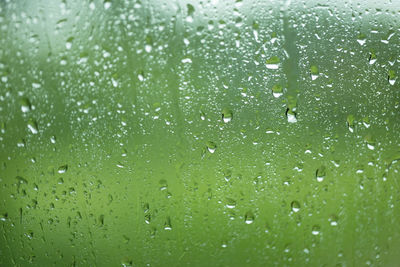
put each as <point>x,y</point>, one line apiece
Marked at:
<point>350,123</point>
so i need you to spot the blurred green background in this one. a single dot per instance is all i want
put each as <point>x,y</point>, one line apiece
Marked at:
<point>199,133</point>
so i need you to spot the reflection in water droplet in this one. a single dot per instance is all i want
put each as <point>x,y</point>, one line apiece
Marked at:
<point>202,115</point>
<point>295,206</point>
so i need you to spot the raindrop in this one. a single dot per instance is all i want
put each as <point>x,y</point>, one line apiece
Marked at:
<point>167,224</point>
<point>314,72</point>
<point>273,63</point>
<point>316,230</point>
<point>350,123</point>
<point>249,217</point>
<point>230,203</point>
<point>392,77</point>
<point>211,147</point>
<point>361,39</point>
<point>25,105</point>
<point>291,115</point>
<point>320,173</point>
<point>370,141</point>
<point>63,168</point>
<point>277,90</point>
<point>202,115</point>
<point>295,206</point>
<point>32,126</point>
<point>227,115</point>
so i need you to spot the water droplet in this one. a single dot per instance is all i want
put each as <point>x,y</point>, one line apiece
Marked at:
<point>366,122</point>
<point>392,77</point>
<point>227,115</point>
<point>230,203</point>
<point>314,72</point>
<point>370,141</point>
<point>202,115</point>
<point>147,218</point>
<point>273,63</point>
<point>107,4</point>
<point>316,230</point>
<point>167,224</point>
<point>333,219</point>
<point>63,168</point>
<point>291,115</point>
<point>277,90</point>
<point>190,11</point>
<point>320,173</point>
<point>350,123</point>
<point>295,206</point>
<point>361,39</point>
<point>163,185</point>
<point>68,44</point>
<point>32,126</point>
<point>53,139</point>
<point>249,217</point>
<point>372,58</point>
<point>25,105</point>
<point>211,147</point>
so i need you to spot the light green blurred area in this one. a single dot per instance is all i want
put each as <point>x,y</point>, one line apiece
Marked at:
<point>114,150</point>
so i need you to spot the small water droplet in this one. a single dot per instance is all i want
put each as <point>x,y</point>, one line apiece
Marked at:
<point>314,72</point>
<point>370,141</point>
<point>295,206</point>
<point>392,77</point>
<point>25,105</point>
<point>107,4</point>
<point>372,58</point>
<point>32,126</point>
<point>230,203</point>
<point>63,168</point>
<point>211,147</point>
<point>277,90</point>
<point>316,230</point>
<point>291,115</point>
<point>190,11</point>
<point>350,123</point>
<point>333,219</point>
<point>202,115</point>
<point>361,39</point>
<point>227,115</point>
<point>249,217</point>
<point>167,224</point>
<point>320,173</point>
<point>273,63</point>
